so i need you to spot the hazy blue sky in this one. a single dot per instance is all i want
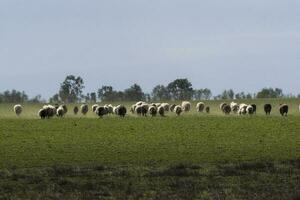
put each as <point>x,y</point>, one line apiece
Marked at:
<point>239,44</point>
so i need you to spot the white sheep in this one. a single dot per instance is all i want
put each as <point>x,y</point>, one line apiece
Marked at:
<point>94,107</point>
<point>121,110</point>
<point>60,112</point>
<point>18,109</point>
<point>243,109</point>
<point>161,110</point>
<point>178,110</point>
<point>250,110</point>
<point>200,107</point>
<point>140,103</point>
<point>186,106</point>
<point>84,109</point>
<point>132,108</point>
<point>47,111</point>
<point>101,111</point>
<point>109,107</point>
<point>166,106</point>
<point>234,107</point>
<point>152,110</point>
<point>51,110</point>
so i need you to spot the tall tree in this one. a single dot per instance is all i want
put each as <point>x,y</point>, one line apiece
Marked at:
<point>180,89</point>
<point>270,93</point>
<point>160,93</point>
<point>134,93</point>
<point>71,89</point>
<point>93,97</point>
<point>227,94</point>
<point>106,93</point>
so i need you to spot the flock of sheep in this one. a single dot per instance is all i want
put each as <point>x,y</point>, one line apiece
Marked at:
<point>142,109</point>
<point>48,111</point>
<point>250,109</point>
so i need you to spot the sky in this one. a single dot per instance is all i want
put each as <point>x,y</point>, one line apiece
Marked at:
<point>244,45</point>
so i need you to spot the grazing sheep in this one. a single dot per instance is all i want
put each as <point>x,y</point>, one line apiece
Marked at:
<point>141,110</point>
<point>178,110</point>
<point>161,110</point>
<point>65,108</point>
<point>226,109</point>
<point>268,109</point>
<point>47,111</point>
<point>60,111</point>
<point>50,110</point>
<point>234,107</point>
<point>222,105</point>
<point>172,107</point>
<point>121,110</point>
<point>145,106</point>
<point>254,108</point>
<point>56,106</point>
<point>140,103</point>
<point>115,109</point>
<point>110,108</point>
<point>207,109</point>
<point>94,107</point>
<point>152,111</point>
<point>243,109</point>
<point>157,104</point>
<point>166,106</point>
<point>84,109</point>
<point>75,110</point>
<point>200,107</point>
<point>101,111</point>
<point>250,110</point>
<point>18,109</point>
<point>132,108</point>
<point>42,113</point>
<point>284,109</point>
<point>186,106</point>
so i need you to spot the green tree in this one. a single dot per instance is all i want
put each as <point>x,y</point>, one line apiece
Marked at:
<point>202,94</point>
<point>207,94</point>
<point>93,97</point>
<point>160,93</point>
<point>55,99</point>
<point>106,93</point>
<point>270,93</point>
<point>227,94</point>
<point>134,93</point>
<point>71,89</point>
<point>180,89</point>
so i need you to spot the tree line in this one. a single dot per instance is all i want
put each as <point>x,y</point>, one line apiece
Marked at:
<point>71,91</point>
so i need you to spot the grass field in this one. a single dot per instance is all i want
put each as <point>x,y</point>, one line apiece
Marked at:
<point>194,156</point>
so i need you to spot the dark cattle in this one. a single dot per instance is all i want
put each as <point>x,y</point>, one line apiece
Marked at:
<point>284,109</point>
<point>268,109</point>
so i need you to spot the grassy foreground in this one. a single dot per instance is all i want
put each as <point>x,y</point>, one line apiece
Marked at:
<point>187,157</point>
